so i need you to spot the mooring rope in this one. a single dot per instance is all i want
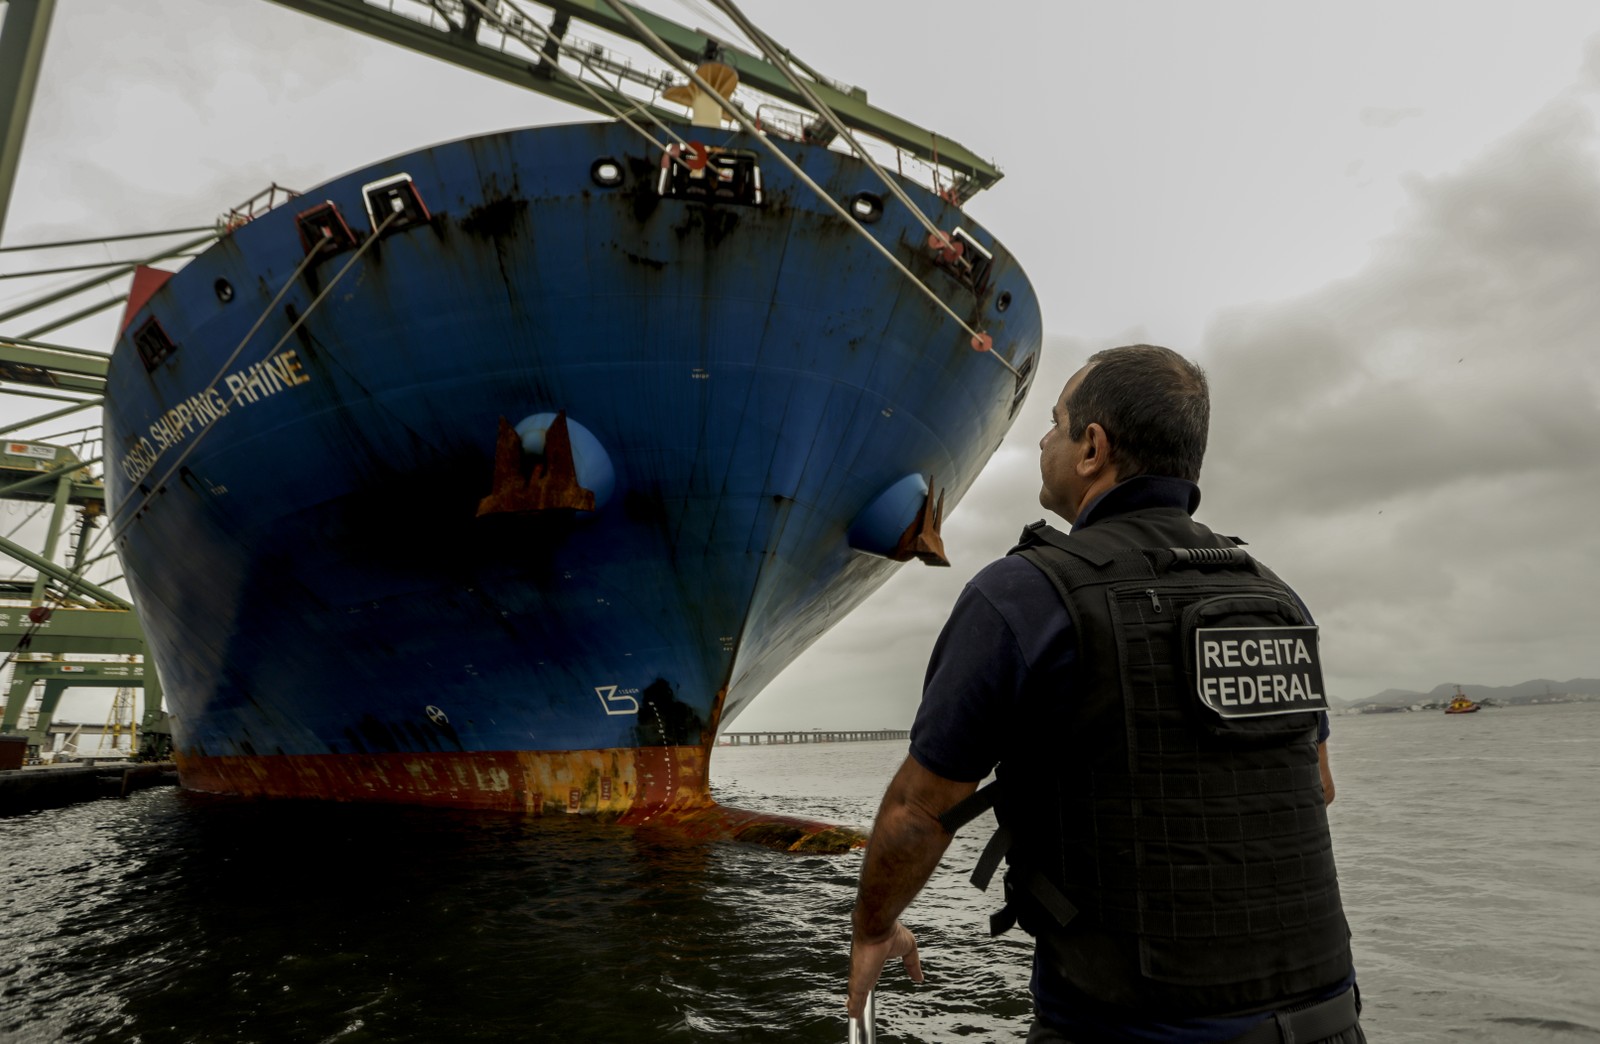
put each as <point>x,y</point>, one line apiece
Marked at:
<point>96,241</point>
<point>153,488</point>
<point>656,44</point>
<point>540,38</point>
<point>71,584</point>
<point>780,58</point>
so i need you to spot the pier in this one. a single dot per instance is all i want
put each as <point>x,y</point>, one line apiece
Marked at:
<point>52,786</point>
<point>757,739</point>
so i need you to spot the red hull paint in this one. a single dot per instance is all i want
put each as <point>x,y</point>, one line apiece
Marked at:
<point>630,785</point>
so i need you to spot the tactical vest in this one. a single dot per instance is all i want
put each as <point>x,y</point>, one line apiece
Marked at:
<point>1163,820</point>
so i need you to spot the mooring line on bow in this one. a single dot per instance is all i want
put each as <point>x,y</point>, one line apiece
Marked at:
<point>980,341</point>
<point>780,58</point>
<point>542,39</point>
<point>151,489</point>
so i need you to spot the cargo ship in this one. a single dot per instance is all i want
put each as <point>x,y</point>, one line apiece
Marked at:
<point>505,472</point>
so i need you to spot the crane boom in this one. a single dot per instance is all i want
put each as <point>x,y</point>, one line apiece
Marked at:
<point>458,42</point>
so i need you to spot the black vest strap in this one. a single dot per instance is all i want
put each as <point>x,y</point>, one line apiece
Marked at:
<point>1041,532</point>
<point>999,844</point>
<point>1043,894</point>
<point>965,811</point>
<point>970,807</point>
<point>1050,898</point>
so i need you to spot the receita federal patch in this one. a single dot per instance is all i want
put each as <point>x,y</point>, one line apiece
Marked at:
<point>1249,672</point>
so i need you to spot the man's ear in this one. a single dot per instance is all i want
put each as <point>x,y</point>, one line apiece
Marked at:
<point>1097,450</point>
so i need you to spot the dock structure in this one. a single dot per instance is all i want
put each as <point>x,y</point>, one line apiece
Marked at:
<point>756,739</point>
<point>51,618</point>
<point>52,786</point>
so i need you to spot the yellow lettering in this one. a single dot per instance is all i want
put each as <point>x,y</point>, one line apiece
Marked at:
<point>279,372</point>
<point>237,389</point>
<point>291,363</point>
<point>254,382</point>
<point>143,458</point>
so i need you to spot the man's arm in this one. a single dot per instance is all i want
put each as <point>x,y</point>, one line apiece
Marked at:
<point>1327,773</point>
<point>906,844</point>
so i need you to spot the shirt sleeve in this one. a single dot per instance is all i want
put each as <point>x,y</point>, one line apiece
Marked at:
<point>1007,633</point>
<point>975,669</point>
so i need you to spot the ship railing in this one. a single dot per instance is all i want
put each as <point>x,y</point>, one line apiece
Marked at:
<point>590,59</point>
<point>598,57</point>
<point>268,198</point>
<point>435,14</point>
<point>782,122</point>
<point>795,125</point>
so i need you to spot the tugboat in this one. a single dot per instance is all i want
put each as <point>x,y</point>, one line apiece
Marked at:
<point>1459,704</point>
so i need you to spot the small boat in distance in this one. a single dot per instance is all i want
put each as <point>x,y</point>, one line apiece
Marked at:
<point>1459,704</point>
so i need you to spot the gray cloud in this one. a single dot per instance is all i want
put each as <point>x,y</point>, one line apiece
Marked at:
<point>1591,62</point>
<point>1416,443</point>
<point>1462,352</point>
<point>1384,118</point>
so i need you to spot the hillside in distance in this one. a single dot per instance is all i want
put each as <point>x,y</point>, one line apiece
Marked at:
<point>1539,689</point>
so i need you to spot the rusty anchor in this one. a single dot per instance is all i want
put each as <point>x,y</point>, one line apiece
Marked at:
<point>921,538</point>
<point>553,485</point>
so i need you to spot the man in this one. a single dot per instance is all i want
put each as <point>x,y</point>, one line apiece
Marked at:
<point>1151,701</point>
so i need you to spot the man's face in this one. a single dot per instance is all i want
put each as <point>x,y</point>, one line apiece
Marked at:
<point>1061,487</point>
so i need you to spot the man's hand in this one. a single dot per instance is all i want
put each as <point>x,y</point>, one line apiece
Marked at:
<point>907,841</point>
<point>867,959</point>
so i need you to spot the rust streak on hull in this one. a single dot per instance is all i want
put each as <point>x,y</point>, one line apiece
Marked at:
<point>660,786</point>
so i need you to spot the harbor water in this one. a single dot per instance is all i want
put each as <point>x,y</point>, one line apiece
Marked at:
<point>1467,850</point>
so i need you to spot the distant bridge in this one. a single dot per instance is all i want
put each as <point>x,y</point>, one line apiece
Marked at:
<point>739,739</point>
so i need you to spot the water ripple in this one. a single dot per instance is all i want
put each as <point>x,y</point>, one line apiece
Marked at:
<point>172,917</point>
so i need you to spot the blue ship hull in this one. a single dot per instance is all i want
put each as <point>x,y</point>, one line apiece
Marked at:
<point>743,382</point>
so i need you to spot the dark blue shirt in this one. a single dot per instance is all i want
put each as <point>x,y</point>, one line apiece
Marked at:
<point>1009,635</point>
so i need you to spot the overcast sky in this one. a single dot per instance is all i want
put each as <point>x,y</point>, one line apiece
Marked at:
<point>1376,224</point>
